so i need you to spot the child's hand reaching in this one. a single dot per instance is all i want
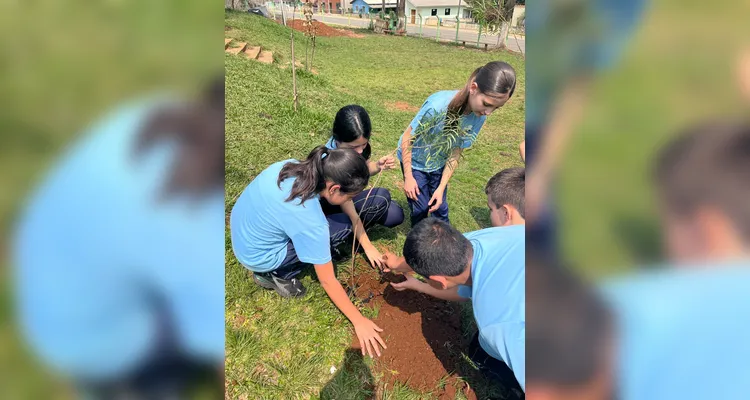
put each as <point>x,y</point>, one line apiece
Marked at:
<point>394,263</point>
<point>411,283</point>
<point>376,259</point>
<point>386,163</point>
<point>367,333</point>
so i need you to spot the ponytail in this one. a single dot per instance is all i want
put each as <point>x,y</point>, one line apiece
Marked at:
<point>197,130</point>
<point>343,167</point>
<point>458,105</point>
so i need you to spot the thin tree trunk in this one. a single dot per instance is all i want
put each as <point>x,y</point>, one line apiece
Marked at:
<point>294,74</point>
<point>504,30</point>
<point>312,56</point>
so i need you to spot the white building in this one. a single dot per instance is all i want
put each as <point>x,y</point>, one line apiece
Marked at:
<point>443,9</point>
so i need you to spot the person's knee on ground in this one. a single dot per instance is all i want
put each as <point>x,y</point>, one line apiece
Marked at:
<point>375,205</point>
<point>394,216</point>
<point>386,211</point>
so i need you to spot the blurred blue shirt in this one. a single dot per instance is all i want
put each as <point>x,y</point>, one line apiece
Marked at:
<point>427,126</point>
<point>498,294</point>
<point>106,267</point>
<point>263,222</point>
<point>683,333</point>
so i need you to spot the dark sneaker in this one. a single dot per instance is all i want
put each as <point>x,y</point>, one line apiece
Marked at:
<point>337,255</point>
<point>284,287</point>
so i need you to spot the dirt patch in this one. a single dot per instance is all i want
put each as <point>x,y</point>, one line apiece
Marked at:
<point>402,106</point>
<point>322,29</point>
<point>423,335</point>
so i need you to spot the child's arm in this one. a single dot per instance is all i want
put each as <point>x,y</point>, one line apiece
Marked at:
<point>450,166</point>
<point>566,115</point>
<point>522,150</point>
<point>383,164</point>
<point>395,263</point>
<point>410,184</point>
<point>422,287</point>
<point>376,259</point>
<point>366,330</point>
<point>373,167</point>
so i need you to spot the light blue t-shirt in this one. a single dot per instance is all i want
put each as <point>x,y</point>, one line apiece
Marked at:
<point>498,294</point>
<point>683,332</point>
<point>331,144</point>
<point>263,222</point>
<point>427,126</point>
<point>98,244</point>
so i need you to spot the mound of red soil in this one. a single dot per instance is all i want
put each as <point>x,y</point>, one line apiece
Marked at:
<point>423,335</point>
<point>321,29</point>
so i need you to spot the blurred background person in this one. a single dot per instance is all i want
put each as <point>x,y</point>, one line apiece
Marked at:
<point>82,205</point>
<point>676,332</point>
<point>119,281</point>
<point>683,328</point>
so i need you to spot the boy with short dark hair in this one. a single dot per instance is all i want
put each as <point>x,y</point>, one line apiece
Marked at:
<point>686,322</point>
<point>505,197</point>
<point>486,266</point>
<point>460,267</point>
<point>570,335</point>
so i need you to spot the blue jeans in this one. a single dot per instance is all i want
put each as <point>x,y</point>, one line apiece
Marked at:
<point>378,209</point>
<point>428,183</point>
<point>496,370</point>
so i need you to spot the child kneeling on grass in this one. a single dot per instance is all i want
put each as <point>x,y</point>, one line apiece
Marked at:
<point>278,227</point>
<point>351,130</point>
<point>486,266</point>
<point>493,278</point>
<point>448,122</point>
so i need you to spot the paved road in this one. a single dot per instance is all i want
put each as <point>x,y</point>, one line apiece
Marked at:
<point>517,44</point>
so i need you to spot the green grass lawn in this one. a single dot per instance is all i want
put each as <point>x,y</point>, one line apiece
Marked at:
<point>285,348</point>
<point>670,75</point>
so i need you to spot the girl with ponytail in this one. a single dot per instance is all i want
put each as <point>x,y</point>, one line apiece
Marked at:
<point>447,123</point>
<point>278,227</point>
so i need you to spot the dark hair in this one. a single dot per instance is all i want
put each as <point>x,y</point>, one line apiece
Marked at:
<point>351,123</point>
<point>343,167</point>
<point>708,165</point>
<point>198,129</point>
<point>508,187</point>
<point>434,247</point>
<point>494,77</point>
<point>568,326</point>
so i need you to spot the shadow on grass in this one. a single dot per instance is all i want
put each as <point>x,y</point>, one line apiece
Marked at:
<point>641,237</point>
<point>482,216</point>
<point>353,380</point>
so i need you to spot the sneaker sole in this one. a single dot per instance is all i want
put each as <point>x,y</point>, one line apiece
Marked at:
<point>271,286</point>
<point>265,285</point>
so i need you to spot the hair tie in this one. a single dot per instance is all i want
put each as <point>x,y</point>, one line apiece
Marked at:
<point>322,156</point>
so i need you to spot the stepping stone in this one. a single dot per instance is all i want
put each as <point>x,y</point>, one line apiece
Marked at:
<point>266,57</point>
<point>226,43</point>
<point>252,52</point>
<point>238,50</point>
